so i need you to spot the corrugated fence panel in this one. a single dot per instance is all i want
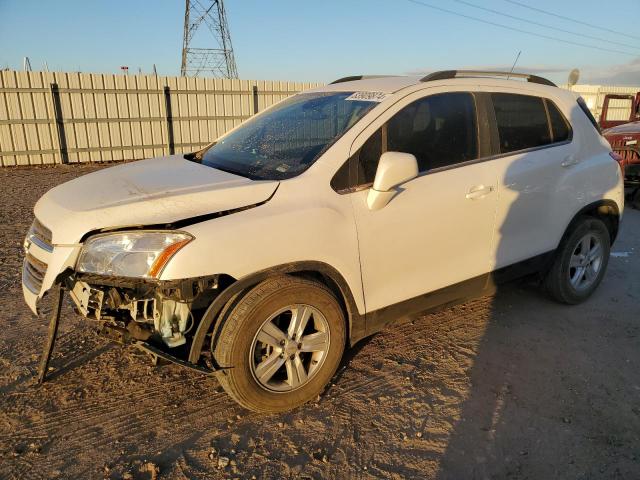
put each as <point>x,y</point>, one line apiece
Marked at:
<point>6,142</point>
<point>76,117</point>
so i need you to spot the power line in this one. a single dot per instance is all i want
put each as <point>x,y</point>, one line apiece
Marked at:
<point>533,22</point>
<point>520,30</point>
<point>599,27</point>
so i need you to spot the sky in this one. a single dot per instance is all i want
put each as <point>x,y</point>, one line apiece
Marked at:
<point>324,40</point>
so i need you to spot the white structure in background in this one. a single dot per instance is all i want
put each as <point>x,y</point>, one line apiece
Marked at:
<point>594,96</point>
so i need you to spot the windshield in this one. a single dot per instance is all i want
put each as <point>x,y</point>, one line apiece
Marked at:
<point>286,140</point>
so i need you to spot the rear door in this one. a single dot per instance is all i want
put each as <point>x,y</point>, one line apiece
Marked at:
<point>535,154</point>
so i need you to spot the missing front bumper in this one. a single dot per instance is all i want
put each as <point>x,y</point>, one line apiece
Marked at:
<point>142,307</point>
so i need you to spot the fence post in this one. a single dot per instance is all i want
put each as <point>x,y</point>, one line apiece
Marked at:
<point>255,99</point>
<point>57,116</point>
<point>169,118</point>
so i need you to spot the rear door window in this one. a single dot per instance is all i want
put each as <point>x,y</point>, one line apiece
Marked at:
<point>521,121</point>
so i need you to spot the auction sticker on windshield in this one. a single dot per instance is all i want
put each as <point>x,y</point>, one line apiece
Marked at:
<point>367,96</point>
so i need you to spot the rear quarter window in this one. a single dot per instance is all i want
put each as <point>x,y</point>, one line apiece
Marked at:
<point>559,126</point>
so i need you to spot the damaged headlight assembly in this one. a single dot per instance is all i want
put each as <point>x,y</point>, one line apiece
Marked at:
<point>139,254</point>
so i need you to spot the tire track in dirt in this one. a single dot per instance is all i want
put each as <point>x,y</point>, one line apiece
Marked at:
<point>102,426</point>
<point>90,412</point>
<point>129,425</point>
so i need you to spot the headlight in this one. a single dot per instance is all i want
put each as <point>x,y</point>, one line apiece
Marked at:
<point>130,254</point>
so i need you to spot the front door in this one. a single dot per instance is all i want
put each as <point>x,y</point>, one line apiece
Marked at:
<point>437,231</point>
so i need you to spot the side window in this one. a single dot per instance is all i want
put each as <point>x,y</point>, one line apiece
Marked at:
<point>440,130</point>
<point>368,158</point>
<point>340,181</point>
<point>521,121</point>
<point>559,126</point>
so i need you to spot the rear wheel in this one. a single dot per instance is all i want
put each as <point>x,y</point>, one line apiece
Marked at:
<point>580,263</point>
<point>284,340</point>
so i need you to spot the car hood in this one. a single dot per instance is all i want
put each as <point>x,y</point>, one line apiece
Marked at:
<point>147,192</point>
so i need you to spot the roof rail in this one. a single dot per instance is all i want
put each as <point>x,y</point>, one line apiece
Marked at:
<point>353,78</point>
<point>448,74</point>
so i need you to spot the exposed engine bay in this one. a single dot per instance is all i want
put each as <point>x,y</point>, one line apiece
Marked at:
<point>141,309</point>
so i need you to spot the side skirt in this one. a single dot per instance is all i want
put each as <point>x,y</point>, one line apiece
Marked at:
<point>454,294</point>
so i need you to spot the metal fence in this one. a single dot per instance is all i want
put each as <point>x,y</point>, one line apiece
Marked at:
<point>48,118</point>
<point>58,117</point>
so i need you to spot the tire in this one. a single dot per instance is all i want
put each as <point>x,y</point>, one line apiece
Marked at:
<point>253,349</point>
<point>562,281</point>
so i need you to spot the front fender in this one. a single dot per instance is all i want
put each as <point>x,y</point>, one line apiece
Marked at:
<point>211,320</point>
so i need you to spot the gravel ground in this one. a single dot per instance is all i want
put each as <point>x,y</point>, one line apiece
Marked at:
<point>512,386</point>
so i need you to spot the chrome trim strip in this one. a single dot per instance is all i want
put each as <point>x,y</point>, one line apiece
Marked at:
<point>35,239</point>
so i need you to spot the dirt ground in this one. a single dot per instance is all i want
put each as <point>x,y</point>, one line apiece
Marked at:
<point>513,386</point>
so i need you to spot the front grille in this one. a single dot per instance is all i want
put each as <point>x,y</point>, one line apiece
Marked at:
<point>40,235</point>
<point>33,271</point>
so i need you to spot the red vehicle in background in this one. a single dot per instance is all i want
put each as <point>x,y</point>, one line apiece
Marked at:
<point>624,137</point>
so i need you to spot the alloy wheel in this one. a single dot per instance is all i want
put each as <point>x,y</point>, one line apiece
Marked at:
<point>289,348</point>
<point>585,262</point>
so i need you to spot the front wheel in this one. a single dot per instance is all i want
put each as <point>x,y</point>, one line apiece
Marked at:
<point>580,262</point>
<point>283,340</point>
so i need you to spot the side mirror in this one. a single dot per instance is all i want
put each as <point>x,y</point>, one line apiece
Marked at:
<point>394,168</point>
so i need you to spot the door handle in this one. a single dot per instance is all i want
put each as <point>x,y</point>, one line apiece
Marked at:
<point>569,161</point>
<point>478,191</point>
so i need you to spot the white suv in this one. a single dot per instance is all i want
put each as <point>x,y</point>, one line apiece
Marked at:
<point>327,217</point>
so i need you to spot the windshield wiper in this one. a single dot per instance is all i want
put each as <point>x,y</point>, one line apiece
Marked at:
<point>233,172</point>
<point>198,155</point>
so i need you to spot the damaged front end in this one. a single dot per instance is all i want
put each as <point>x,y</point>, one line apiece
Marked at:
<point>161,313</point>
<point>112,279</point>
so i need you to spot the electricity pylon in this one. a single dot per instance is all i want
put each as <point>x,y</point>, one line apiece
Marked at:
<point>205,22</point>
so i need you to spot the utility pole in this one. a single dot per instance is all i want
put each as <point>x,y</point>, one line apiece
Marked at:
<point>205,22</point>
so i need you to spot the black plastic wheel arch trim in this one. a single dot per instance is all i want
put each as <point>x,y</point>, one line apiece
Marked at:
<point>211,323</point>
<point>606,203</point>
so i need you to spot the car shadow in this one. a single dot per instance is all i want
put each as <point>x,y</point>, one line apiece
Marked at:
<point>535,406</point>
